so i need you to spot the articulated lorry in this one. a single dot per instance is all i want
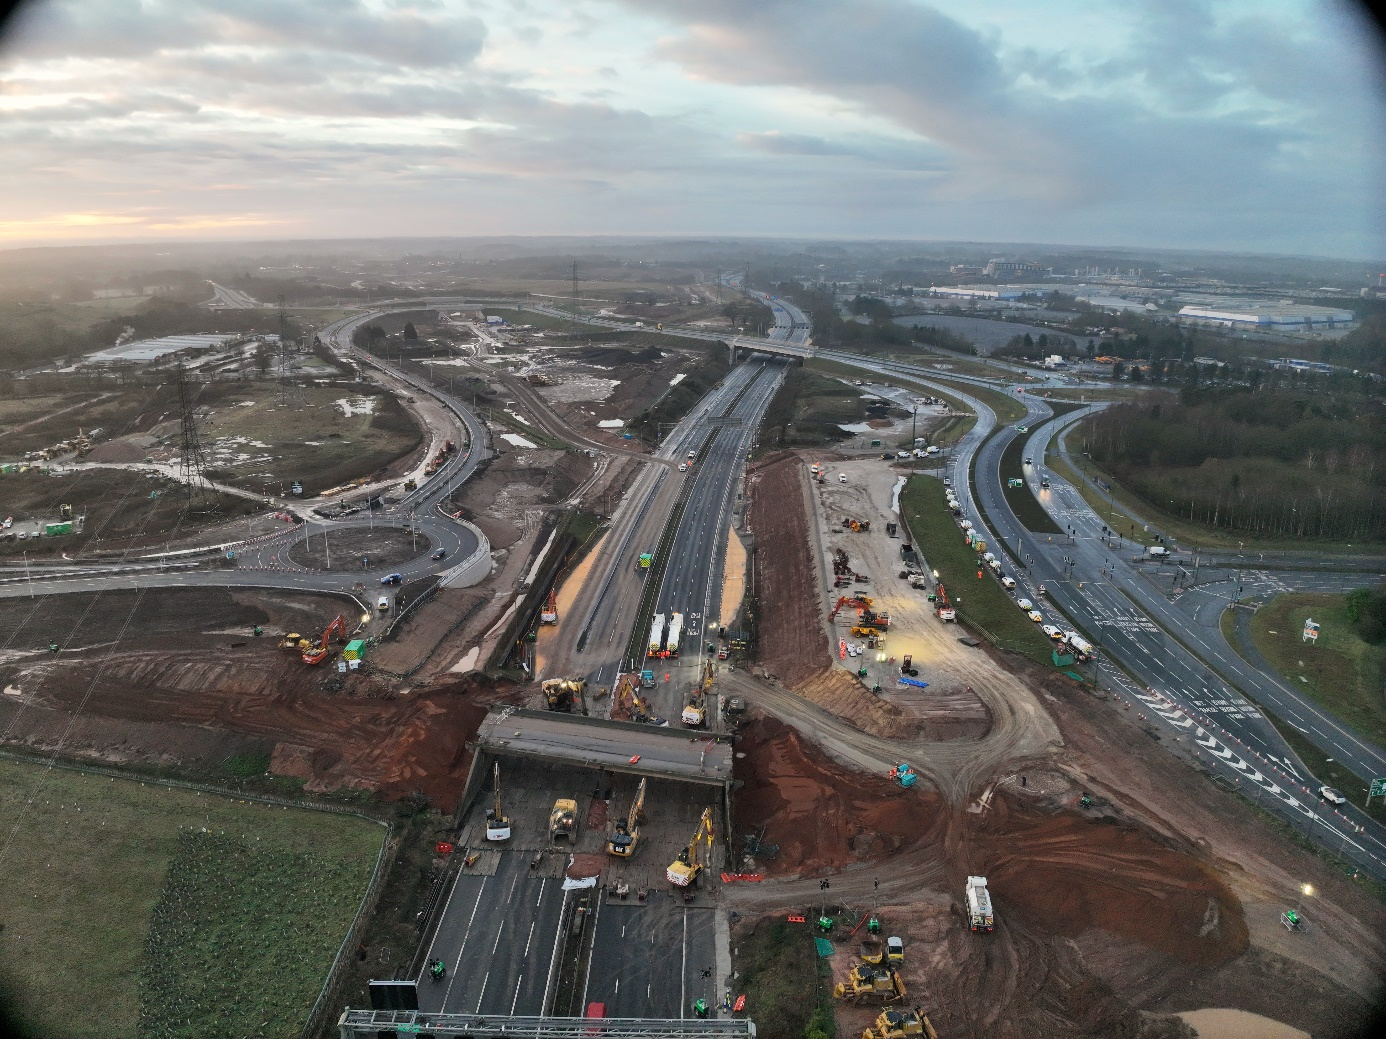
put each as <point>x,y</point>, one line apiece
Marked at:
<point>656,635</point>
<point>979,905</point>
<point>671,646</point>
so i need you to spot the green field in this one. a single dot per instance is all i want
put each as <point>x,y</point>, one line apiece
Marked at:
<point>133,908</point>
<point>807,410</point>
<point>984,605</point>
<point>1340,671</point>
<point>1022,499</point>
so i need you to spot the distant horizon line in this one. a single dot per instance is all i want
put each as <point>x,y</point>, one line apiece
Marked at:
<point>684,237</point>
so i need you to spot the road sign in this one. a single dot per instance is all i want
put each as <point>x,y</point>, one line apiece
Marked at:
<point>1378,789</point>
<point>1311,631</point>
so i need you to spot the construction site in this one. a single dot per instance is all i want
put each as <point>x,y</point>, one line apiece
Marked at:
<point>613,814</point>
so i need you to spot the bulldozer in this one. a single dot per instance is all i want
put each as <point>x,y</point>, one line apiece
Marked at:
<point>563,819</point>
<point>563,694</point>
<point>294,642</point>
<point>898,1024</point>
<point>317,654</point>
<point>497,825</point>
<point>627,836</point>
<point>692,860</point>
<point>865,983</point>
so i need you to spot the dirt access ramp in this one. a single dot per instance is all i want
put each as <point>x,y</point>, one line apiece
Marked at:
<point>155,695</point>
<point>792,643</point>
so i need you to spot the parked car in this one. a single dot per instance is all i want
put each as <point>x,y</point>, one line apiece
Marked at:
<point>1008,583</point>
<point>1036,616</point>
<point>1025,604</point>
<point>841,477</point>
<point>1327,793</point>
<point>1053,632</point>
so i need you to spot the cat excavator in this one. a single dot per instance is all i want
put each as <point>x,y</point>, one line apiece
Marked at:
<point>684,870</point>
<point>317,654</point>
<point>497,825</point>
<point>627,836</point>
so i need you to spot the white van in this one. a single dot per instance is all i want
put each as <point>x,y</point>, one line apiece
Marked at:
<point>683,467</point>
<point>1025,604</point>
<point>1008,583</point>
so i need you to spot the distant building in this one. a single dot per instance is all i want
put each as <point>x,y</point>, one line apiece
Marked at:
<point>964,270</point>
<point>1285,317</point>
<point>1012,269</point>
<point>975,292</point>
<point>1294,364</point>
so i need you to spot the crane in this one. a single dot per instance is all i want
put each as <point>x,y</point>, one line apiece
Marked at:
<point>497,825</point>
<point>684,870</point>
<point>627,835</point>
<point>317,654</point>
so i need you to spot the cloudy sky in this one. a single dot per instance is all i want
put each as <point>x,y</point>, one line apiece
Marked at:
<point>1253,125</point>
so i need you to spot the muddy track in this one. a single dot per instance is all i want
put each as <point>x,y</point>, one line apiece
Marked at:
<point>1019,733</point>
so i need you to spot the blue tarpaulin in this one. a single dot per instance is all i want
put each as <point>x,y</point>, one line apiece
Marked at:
<point>914,682</point>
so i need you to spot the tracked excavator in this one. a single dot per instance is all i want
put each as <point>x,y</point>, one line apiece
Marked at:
<point>317,654</point>
<point>627,836</point>
<point>695,714</point>
<point>497,825</point>
<point>898,1024</point>
<point>693,859</point>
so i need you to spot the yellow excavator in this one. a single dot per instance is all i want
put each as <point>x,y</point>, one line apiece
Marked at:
<point>627,836</point>
<point>865,983</point>
<point>564,694</point>
<point>695,714</point>
<point>684,870</point>
<point>497,825</point>
<point>899,1024</point>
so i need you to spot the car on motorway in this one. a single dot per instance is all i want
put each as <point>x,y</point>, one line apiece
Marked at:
<point>441,553</point>
<point>1036,616</point>
<point>1025,604</point>
<point>1027,460</point>
<point>392,579</point>
<point>1022,429</point>
<point>1044,483</point>
<point>1008,583</point>
<point>1054,633</point>
<point>1327,793</point>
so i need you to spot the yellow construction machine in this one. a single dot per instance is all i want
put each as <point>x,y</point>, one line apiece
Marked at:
<point>295,642</point>
<point>684,870</point>
<point>865,983</point>
<point>497,825</point>
<point>623,842</point>
<point>695,714</point>
<point>900,1024</point>
<point>563,819</point>
<point>563,694</point>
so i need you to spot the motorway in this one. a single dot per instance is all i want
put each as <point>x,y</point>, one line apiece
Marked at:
<point>501,914</point>
<point>652,960</point>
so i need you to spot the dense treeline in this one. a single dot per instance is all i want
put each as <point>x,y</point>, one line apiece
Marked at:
<point>1270,463</point>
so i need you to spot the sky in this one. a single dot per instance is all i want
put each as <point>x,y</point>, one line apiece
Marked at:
<point>1243,125</point>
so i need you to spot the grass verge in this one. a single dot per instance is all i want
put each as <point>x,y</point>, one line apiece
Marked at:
<point>984,604</point>
<point>1340,672</point>
<point>1022,499</point>
<point>95,914</point>
<point>1081,478</point>
<point>788,988</point>
<point>1322,768</point>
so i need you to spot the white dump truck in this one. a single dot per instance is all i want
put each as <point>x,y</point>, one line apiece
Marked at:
<point>671,646</point>
<point>979,905</point>
<point>657,635</point>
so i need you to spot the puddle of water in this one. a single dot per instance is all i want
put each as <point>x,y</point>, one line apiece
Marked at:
<point>1238,1024</point>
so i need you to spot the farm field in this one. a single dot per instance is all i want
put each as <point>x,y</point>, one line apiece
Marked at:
<point>134,908</point>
